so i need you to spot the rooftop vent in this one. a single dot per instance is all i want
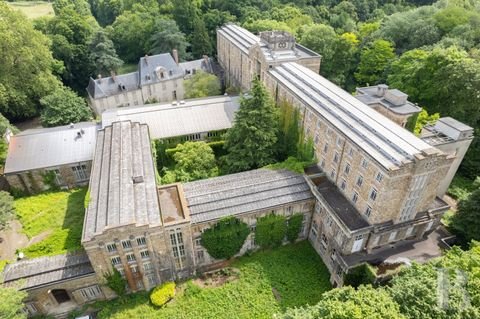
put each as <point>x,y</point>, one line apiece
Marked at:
<point>137,179</point>
<point>381,89</point>
<point>182,102</point>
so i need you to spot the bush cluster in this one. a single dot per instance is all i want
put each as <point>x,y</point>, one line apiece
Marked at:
<point>162,294</point>
<point>270,231</point>
<point>294,224</point>
<point>361,275</point>
<point>225,238</point>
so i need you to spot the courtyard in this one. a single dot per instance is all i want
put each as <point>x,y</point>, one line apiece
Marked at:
<point>259,285</point>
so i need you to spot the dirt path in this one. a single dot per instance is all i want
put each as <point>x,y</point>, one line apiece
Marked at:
<point>12,239</point>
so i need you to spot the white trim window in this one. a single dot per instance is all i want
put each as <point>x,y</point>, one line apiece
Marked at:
<point>91,293</point>
<point>379,177</point>
<point>111,247</point>
<point>368,211</point>
<point>116,260</point>
<point>145,254</point>
<point>80,172</point>
<point>359,180</point>
<point>141,241</point>
<point>373,194</point>
<point>355,197</point>
<point>343,185</point>
<point>131,258</point>
<point>126,244</point>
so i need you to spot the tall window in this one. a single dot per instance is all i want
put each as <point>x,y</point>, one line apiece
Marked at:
<point>347,169</point>
<point>343,185</point>
<point>111,248</point>
<point>335,159</point>
<point>325,148</point>
<point>368,211</point>
<point>131,257</point>
<point>141,241</point>
<point>359,180</point>
<point>145,254</point>
<point>200,256</point>
<point>178,248</point>
<point>379,177</point>
<point>355,197</point>
<point>126,244</point>
<point>332,174</point>
<point>373,194</point>
<point>116,260</point>
<point>80,172</point>
<point>364,163</point>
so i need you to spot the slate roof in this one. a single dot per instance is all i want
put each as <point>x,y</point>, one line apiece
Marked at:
<point>122,182</point>
<point>146,74</point>
<point>42,271</point>
<point>197,65</point>
<point>368,95</point>
<point>50,147</point>
<point>388,143</point>
<point>343,209</point>
<point>244,192</point>
<point>187,117</point>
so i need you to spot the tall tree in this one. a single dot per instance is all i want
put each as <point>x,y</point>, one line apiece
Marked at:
<point>12,305</point>
<point>166,37</point>
<point>64,107</point>
<point>202,84</point>
<point>348,303</point>
<point>251,141</point>
<point>374,60</point>
<point>201,43</point>
<point>103,54</point>
<point>466,220</point>
<point>185,12</point>
<point>194,160</point>
<point>25,66</point>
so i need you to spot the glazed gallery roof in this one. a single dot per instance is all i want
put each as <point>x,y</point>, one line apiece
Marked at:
<point>151,69</point>
<point>50,147</point>
<point>245,192</point>
<point>122,182</point>
<point>245,40</point>
<point>388,143</point>
<point>47,270</point>
<point>179,119</point>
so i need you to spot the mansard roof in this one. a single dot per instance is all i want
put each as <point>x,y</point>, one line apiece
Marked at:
<point>386,142</point>
<point>245,192</point>
<point>48,270</point>
<point>187,117</point>
<point>122,183</point>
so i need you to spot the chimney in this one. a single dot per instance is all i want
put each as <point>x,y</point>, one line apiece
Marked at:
<point>112,74</point>
<point>146,59</point>
<point>8,135</point>
<point>99,77</point>
<point>175,55</point>
<point>382,89</point>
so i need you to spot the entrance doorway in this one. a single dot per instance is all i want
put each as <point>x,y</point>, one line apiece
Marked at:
<point>60,295</point>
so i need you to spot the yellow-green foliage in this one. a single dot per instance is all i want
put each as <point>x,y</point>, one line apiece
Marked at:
<point>162,294</point>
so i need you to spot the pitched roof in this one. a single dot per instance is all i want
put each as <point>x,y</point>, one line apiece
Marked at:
<point>47,270</point>
<point>49,147</point>
<point>122,183</point>
<point>244,192</point>
<point>187,117</point>
<point>389,144</point>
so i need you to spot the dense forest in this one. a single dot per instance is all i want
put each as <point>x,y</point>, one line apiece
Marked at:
<point>429,50</point>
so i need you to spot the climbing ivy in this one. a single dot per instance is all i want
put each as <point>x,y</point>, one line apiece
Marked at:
<point>294,224</point>
<point>225,238</point>
<point>115,281</point>
<point>270,231</point>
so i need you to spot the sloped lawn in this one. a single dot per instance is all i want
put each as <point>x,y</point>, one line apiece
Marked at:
<point>269,282</point>
<point>56,218</point>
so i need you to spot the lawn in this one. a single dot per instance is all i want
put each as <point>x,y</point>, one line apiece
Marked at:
<point>57,217</point>
<point>33,9</point>
<point>295,272</point>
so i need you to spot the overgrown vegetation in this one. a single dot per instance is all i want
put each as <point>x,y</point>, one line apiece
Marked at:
<point>225,239</point>
<point>115,281</point>
<point>270,230</point>
<point>295,272</point>
<point>294,225</point>
<point>363,274</point>
<point>162,294</point>
<point>55,216</point>
<point>202,84</point>
<point>7,212</point>
<point>11,305</point>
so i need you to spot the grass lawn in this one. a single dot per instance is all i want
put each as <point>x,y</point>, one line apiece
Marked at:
<point>33,9</point>
<point>127,68</point>
<point>296,272</point>
<point>56,215</point>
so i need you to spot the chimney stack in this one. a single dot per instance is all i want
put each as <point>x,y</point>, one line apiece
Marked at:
<point>99,77</point>
<point>112,74</point>
<point>175,55</point>
<point>146,59</point>
<point>382,89</point>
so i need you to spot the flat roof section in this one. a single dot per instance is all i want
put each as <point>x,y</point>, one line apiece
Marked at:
<point>50,147</point>
<point>172,204</point>
<point>187,117</point>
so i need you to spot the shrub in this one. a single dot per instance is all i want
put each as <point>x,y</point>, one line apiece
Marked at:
<point>162,294</point>
<point>293,227</point>
<point>361,275</point>
<point>225,238</point>
<point>7,211</point>
<point>115,281</point>
<point>270,231</point>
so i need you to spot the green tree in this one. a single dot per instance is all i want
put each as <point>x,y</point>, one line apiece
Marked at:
<point>348,303</point>
<point>185,12</point>
<point>251,141</point>
<point>12,305</point>
<point>115,281</point>
<point>25,66</point>
<point>466,221</point>
<point>63,107</point>
<point>294,225</point>
<point>324,45</point>
<point>202,84</point>
<point>374,60</point>
<point>423,119</point>
<point>7,211</point>
<point>4,125</point>
<point>103,54</point>
<point>270,230</point>
<point>225,238</point>
<point>259,25</point>
<point>106,11</point>
<point>194,160</point>
<point>167,36</point>
<point>201,43</point>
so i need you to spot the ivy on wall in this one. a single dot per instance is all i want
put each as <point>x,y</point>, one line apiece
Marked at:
<point>225,238</point>
<point>270,231</point>
<point>294,224</point>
